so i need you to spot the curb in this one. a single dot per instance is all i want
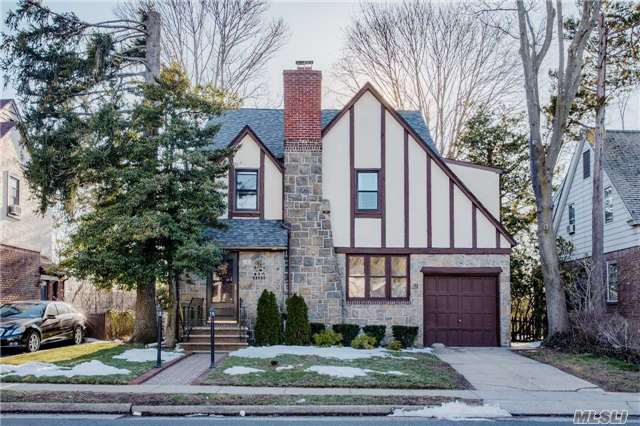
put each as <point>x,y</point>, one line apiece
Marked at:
<point>266,410</point>
<point>155,371</point>
<point>65,407</point>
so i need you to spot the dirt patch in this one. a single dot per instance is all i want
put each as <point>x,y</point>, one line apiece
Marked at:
<point>611,374</point>
<point>224,399</point>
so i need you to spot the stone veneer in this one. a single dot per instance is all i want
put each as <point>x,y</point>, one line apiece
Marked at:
<point>411,313</point>
<point>312,259</point>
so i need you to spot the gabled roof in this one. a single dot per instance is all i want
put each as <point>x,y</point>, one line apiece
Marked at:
<point>622,165</point>
<point>250,234</point>
<point>268,125</point>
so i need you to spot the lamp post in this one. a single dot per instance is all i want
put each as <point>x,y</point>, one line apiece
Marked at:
<point>212,316</point>
<point>159,347</point>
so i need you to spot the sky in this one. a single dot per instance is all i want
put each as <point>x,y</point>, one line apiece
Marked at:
<point>316,32</point>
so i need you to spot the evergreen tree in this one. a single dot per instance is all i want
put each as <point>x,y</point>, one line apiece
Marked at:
<point>268,329</point>
<point>298,330</point>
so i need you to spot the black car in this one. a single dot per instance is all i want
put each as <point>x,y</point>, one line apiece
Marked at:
<point>31,323</point>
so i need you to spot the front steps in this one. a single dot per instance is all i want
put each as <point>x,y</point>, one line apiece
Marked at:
<point>229,336</point>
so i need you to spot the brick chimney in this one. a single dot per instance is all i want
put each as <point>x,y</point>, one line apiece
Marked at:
<point>302,104</point>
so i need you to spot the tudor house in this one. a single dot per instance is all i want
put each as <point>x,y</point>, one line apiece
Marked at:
<point>621,210</point>
<point>355,210</point>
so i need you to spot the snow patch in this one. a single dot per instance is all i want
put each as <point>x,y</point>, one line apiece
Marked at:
<point>45,369</point>
<point>454,411</point>
<point>348,372</point>
<point>145,355</point>
<point>526,345</point>
<point>285,367</point>
<point>336,352</point>
<point>418,350</point>
<point>238,370</point>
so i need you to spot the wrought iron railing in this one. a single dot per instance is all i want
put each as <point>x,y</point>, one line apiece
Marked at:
<point>192,316</point>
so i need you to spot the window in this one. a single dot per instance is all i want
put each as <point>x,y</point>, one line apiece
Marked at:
<point>571,228</point>
<point>247,190</point>
<point>608,204</point>
<point>612,282</point>
<point>586,164</point>
<point>14,191</point>
<point>378,277</point>
<point>367,182</point>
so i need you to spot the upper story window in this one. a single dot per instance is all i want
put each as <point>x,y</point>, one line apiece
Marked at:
<point>246,190</point>
<point>586,164</point>
<point>571,228</point>
<point>608,204</point>
<point>373,277</point>
<point>367,190</point>
<point>612,282</point>
<point>14,191</point>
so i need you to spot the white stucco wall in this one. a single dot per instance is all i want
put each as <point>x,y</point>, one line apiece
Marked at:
<point>394,182</point>
<point>484,184</point>
<point>462,215</point>
<point>417,196</point>
<point>367,132</point>
<point>336,180</point>
<point>367,232</point>
<point>440,206</point>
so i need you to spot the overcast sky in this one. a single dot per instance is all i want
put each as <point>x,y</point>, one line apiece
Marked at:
<point>316,32</point>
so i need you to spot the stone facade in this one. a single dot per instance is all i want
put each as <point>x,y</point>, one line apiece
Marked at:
<point>411,313</point>
<point>19,274</point>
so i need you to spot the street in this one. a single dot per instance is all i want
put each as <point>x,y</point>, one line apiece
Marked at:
<point>103,420</point>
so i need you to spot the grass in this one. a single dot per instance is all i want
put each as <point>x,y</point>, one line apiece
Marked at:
<point>611,374</point>
<point>225,399</point>
<point>424,372</point>
<point>66,353</point>
<point>105,355</point>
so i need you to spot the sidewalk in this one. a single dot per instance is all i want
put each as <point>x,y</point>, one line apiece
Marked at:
<point>517,402</point>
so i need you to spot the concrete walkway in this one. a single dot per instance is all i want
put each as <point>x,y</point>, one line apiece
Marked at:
<point>500,369</point>
<point>185,371</point>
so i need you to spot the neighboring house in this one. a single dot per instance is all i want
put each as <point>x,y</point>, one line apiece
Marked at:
<point>621,199</point>
<point>25,236</point>
<point>356,211</point>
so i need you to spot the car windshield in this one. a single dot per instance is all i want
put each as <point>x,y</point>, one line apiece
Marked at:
<point>22,310</point>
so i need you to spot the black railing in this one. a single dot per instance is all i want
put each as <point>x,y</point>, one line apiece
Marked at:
<point>192,316</point>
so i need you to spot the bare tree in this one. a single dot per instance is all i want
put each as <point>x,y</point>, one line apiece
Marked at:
<point>544,156</point>
<point>436,58</point>
<point>223,42</point>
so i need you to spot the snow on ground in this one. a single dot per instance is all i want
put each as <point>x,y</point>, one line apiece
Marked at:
<point>144,355</point>
<point>418,350</point>
<point>286,367</point>
<point>45,369</point>
<point>526,345</point>
<point>348,372</point>
<point>237,370</point>
<point>336,352</point>
<point>454,411</point>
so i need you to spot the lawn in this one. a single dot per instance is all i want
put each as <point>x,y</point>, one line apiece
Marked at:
<point>398,370</point>
<point>611,374</point>
<point>77,356</point>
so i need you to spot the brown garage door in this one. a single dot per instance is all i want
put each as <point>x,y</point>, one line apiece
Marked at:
<point>460,309</point>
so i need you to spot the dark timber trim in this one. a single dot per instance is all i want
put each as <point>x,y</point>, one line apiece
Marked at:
<point>352,230</point>
<point>488,271</point>
<point>429,221</point>
<point>261,185</point>
<point>406,188</point>
<point>422,250</point>
<point>382,175</point>
<point>452,220</point>
<point>474,226</point>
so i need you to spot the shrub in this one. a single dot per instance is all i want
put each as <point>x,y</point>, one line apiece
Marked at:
<point>327,338</point>
<point>363,342</point>
<point>119,324</point>
<point>348,332</point>
<point>394,345</point>
<point>297,331</point>
<point>405,334</point>
<point>376,331</point>
<point>317,327</point>
<point>268,326</point>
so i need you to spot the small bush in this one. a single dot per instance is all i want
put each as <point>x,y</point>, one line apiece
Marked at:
<point>394,345</point>
<point>348,332</point>
<point>363,342</point>
<point>376,331</point>
<point>405,334</point>
<point>317,327</point>
<point>268,326</point>
<point>297,331</point>
<point>327,338</point>
<point>119,324</point>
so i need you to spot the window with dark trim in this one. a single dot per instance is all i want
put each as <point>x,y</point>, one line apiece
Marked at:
<point>377,277</point>
<point>368,191</point>
<point>608,204</point>
<point>571,229</point>
<point>14,191</point>
<point>586,164</point>
<point>246,190</point>
<point>612,282</point>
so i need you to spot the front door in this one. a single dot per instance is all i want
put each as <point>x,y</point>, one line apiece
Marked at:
<point>224,291</point>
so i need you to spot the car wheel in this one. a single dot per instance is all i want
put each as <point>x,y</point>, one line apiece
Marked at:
<point>33,341</point>
<point>77,335</point>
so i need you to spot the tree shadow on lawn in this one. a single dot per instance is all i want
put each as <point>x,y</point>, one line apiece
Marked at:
<point>424,372</point>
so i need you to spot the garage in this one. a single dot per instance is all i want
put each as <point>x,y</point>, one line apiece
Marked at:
<point>461,306</point>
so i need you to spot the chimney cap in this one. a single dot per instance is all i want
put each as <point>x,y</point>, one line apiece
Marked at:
<point>304,65</point>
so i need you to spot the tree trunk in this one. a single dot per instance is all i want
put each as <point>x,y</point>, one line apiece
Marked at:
<point>557,315</point>
<point>145,330</point>
<point>172,320</point>
<point>598,300</point>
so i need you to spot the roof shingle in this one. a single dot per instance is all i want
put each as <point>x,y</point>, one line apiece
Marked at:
<point>250,233</point>
<point>622,164</point>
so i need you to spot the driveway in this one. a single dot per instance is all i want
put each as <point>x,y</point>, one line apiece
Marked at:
<point>500,369</point>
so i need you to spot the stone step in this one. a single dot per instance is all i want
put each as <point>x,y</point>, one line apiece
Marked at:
<point>206,331</point>
<point>206,347</point>
<point>219,339</point>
